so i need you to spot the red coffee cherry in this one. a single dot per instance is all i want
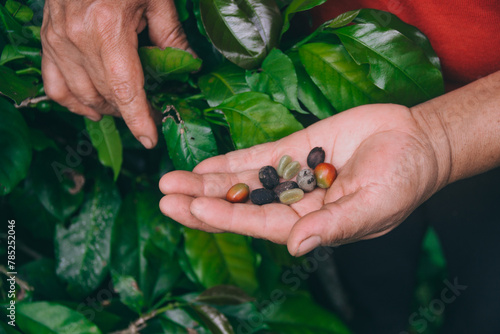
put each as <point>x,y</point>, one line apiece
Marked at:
<point>325,174</point>
<point>238,193</point>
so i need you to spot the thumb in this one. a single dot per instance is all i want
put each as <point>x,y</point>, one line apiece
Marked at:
<point>165,29</point>
<point>353,217</point>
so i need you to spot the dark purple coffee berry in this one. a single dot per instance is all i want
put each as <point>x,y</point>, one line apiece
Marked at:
<point>283,186</point>
<point>315,157</point>
<point>262,196</point>
<point>268,176</point>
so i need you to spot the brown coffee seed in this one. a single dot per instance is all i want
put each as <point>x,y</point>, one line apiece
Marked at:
<point>306,180</point>
<point>283,186</point>
<point>238,193</point>
<point>315,157</point>
<point>269,177</point>
<point>291,196</point>
<point>262,196</point>
<point>291,170</point>
<point>284,161</point>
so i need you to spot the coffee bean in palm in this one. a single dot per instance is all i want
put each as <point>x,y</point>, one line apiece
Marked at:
<point>291,196</point>
<point>306,180</point>
<point>262,196</point>
<point>269,177</point>
<point>283,186</point>
<point>315,157</point>
<point>284,161</point>
<point>291,170</point>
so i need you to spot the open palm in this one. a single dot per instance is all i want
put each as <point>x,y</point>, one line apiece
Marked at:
<point>386,168</point>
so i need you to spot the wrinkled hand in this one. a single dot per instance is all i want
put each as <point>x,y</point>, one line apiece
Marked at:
<point>90,62</point>
<point>386,168</point>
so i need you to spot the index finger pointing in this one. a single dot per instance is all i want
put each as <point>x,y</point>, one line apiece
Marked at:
<point>125,80</point>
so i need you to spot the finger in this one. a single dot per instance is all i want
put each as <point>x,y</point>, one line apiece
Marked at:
<point>209,185</point>
<point>56,89</point>
<point>356,216</point>
<point>297,145</point>
<point>124,81</point>
<point>271,221</point>
<point>177,207</point>
<point>255,157</point>
<point>164,26</point>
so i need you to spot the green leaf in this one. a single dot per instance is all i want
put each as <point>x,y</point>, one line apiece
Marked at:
<point>143,244</point>
<point>344,83</point>
<point>254,119</point>
<point>308,93</point>
<point>41,275</point>
<point>168,64</point>
<point>223,83</point>
<point>295,7</point>
<point>59,190</point>
<point>342,20</point>
<point>129,291</point>
<point>224,295</point>
<point>83,249</point>
<point>7,329</point>
<point>221,259</point>
<point>106,321</point>
<point>244,31</point>
<point>246,317</point>
<point>15,32</point>
<point>300,315</point>
<point>51,318</point>
<point>40,141</point>
<point>161,324</point>
<point>10,53</point>
<point>15,87</point>
<point>181,317</point>
<point>277,78</point>
<point>15,147</point>
<point>106,140</point>
<point>19,11</point>
<point>389,20</point>
<point>397,64</point>
<point>182,11</point>
<point>216,322</point>
<point>189,138</point>
<point>37,220</point>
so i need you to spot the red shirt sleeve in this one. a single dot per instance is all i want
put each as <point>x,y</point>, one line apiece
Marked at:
<point>464,33</point>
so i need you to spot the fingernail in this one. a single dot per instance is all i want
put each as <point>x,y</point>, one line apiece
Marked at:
<point>195,208</point>
<point>308,245</point>
<point>94,118</point>
<point>146,142</point>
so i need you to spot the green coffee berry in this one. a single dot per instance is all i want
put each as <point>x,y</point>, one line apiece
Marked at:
<point>291,196</point>
<point>284,161</point>
<point>306,180</point>
<point>291,170</point>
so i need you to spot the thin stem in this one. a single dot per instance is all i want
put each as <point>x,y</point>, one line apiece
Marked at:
<point>32,101</point>
<point>29,70</point>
